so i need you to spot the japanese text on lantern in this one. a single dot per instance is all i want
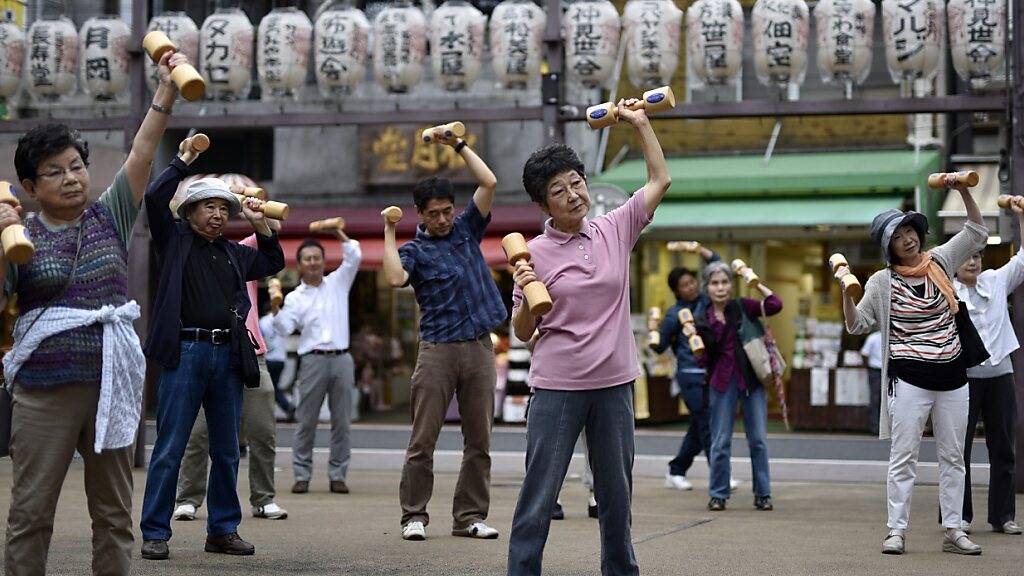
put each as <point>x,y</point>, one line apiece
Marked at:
<point>845,21</point>
<point>586,40</point>
<point>650,40</point>
<point>981,26</point>
<point>714,26</point>
<point>778,28</point>
<point>453,44</point>
<point>272,50</point>
<point>914,28</point>
<point>334,46</point>
<point>517,30</point>
<point>40,56</point>
<point>218,51</point>
<point>97,67</point>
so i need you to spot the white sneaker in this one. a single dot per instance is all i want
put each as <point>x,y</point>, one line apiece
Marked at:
<point>271,512</point>
<point>965,526</point>
<point>678,482</point>
<point>477,530</point>
<point>184,512</point>
<point>414,531</point>
<point>734,484</point>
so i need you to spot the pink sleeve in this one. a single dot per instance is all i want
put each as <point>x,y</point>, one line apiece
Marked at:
<point>630,219</point>
<point>252,321</point>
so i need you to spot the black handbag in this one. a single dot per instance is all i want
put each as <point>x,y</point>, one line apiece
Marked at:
<point>244,344</point>
<point>972,348</point>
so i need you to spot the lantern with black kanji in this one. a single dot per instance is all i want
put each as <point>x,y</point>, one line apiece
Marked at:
<point>183,32</point>
<point>516,32</point>
<point>714,40</point>
<point>977,36</point>
<point>400,46</point>
<point>341,37</point>
<point>51,60</point>
<point>225,45</point>
<point>652,41</point>
<point>845,31</point>
<point>104,49</point>
<point>282,51</point>
<point>591,31</point>
<point>914,37</point>
<point>456,44</point>
<point>780,29</point>
<point>12,58</point>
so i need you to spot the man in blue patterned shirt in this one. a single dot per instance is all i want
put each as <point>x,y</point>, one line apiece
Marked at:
<point>459,305</point>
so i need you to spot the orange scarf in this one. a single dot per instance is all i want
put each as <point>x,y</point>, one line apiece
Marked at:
<point>931,269</point>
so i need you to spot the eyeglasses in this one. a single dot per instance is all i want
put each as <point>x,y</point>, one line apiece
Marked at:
<point>77,170</point>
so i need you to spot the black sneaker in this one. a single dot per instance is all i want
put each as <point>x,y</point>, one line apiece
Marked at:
<point>592,506</point>
<point>155,550</point>
<point>716,504</point>
<point>763,503</point>
<point>229,544</point>
<point>558,513</point>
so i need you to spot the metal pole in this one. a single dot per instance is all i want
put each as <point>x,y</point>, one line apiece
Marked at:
<point>1015,93</point>
<point>551,83</point>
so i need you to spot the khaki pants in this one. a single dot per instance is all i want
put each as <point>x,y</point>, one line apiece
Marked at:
<point>258,429</point>
<point>46,428</point>
<point>465,369</point>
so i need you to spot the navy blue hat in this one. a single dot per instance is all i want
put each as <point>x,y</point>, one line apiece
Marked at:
<point>885,224</point>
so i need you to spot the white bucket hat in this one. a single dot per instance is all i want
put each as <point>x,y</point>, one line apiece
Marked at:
<point>206,188</point>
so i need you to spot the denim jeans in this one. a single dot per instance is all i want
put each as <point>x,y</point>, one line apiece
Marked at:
<point>553,424</point>
<point>754,404</point>
<point>698,436</point>
<point>204,378</point>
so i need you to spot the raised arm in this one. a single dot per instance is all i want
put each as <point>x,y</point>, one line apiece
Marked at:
<point>485,180</point>
<point>1011,274</point>
<point>393,269</point>
<point>139,164</point>
<point>658,179</point>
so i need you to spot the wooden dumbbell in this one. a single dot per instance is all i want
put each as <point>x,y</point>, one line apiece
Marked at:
<point>686,320</point>
<point>449,130</point>
<point>275,291</point>
<point>270,209</point>
<point>1006,200</point>
<point>536,293</point>
<point>849,282</point>
<point>199,143</point>
<point>327,225</point>
<point>968,179</point>
<point>17,247</point>
<point>185,76</point>
<point>683,246</point>
<point>653,318</point>
<point>249,191</point>
<point>742,270</point>
<point>392,214</point>
<point>606,114</point>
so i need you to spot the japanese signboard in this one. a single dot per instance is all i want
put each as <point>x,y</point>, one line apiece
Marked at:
<point>845,33</point>
<point>104,45</point>
<point>780,29</point>
<point>400,46</point>
<point>652,41</point>
<point>977,32</point>
<point>914,33</point>
<point>714,40</point>
<point>591,32</point>
<point>516,30</point>
<point>225,44</point>
<point>396,154</point>
<point>52,59</point>
<point>282,51</point>
<point>456,44</point>
<point>340,47</point>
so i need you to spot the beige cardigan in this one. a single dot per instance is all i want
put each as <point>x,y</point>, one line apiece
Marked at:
<point>873,309</point>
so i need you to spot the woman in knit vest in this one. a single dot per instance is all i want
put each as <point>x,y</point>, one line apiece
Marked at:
<point>913,304</point>
<point>76,368</point>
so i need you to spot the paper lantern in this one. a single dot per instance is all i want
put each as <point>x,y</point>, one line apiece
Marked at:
<point>591,32</point>
<point>104,46</point>
<point>914,37</point>
<point>340,49</point>
<point>51,62</point>
<point>400,46</point>
<point>12,58</point>
<point>185,35</point>
<point>714,40</point>
<point>652,41</point>
<point>225,45</point>
<point>517,33</point>
<point>780,29</point>
<point>845,31</point>
<point>456,44</point>
<point>977,32</point>
<point>282,51</point>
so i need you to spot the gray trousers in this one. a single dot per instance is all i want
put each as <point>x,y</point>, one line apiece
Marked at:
<point>258,431</point>
<point>333,377</point>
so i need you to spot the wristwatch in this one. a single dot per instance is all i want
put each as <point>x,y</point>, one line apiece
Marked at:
<point>461,144</point>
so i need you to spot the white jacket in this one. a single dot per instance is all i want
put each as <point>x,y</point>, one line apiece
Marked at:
<point>124,366</point>
<point>993,319</point>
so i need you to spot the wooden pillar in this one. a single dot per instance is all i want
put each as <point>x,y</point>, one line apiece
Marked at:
<point>1015,93</point>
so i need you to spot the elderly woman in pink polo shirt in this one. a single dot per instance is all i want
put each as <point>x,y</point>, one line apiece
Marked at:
<point>585,358</point>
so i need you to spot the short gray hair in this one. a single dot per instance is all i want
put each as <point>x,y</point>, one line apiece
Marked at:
<point>713,268</point>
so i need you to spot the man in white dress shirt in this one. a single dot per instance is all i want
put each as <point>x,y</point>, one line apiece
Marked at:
<point>318,308</point>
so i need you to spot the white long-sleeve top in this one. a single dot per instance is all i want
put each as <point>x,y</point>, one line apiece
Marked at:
<point>989,311</point>
<point>321,312</point>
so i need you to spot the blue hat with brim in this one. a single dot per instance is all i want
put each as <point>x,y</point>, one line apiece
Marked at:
<point>885,224</point>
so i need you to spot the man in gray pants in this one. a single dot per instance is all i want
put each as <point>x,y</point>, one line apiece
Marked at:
<point>318,307</point>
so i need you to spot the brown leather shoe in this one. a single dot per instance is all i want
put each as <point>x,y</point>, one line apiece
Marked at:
<point>229,544</point>
<point>155,550</point>
<point>300,487</point>
<point>339,487</point>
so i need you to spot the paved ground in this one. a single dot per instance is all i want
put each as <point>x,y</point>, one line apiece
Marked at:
<point>818,528</point>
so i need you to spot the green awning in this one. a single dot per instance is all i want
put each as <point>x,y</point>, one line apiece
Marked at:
<point>773,212</point>
<point>806,174</point>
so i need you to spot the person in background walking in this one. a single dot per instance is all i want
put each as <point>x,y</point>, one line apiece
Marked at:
<point>871,351</point>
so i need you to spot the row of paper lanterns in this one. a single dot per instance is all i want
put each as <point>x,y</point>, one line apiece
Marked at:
<point>54,55</point>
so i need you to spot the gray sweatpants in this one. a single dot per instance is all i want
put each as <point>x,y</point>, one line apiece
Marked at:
<point>333,377</point>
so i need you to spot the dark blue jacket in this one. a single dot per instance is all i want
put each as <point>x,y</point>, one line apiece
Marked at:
<point>687,370</point>
<point>173,241</point>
